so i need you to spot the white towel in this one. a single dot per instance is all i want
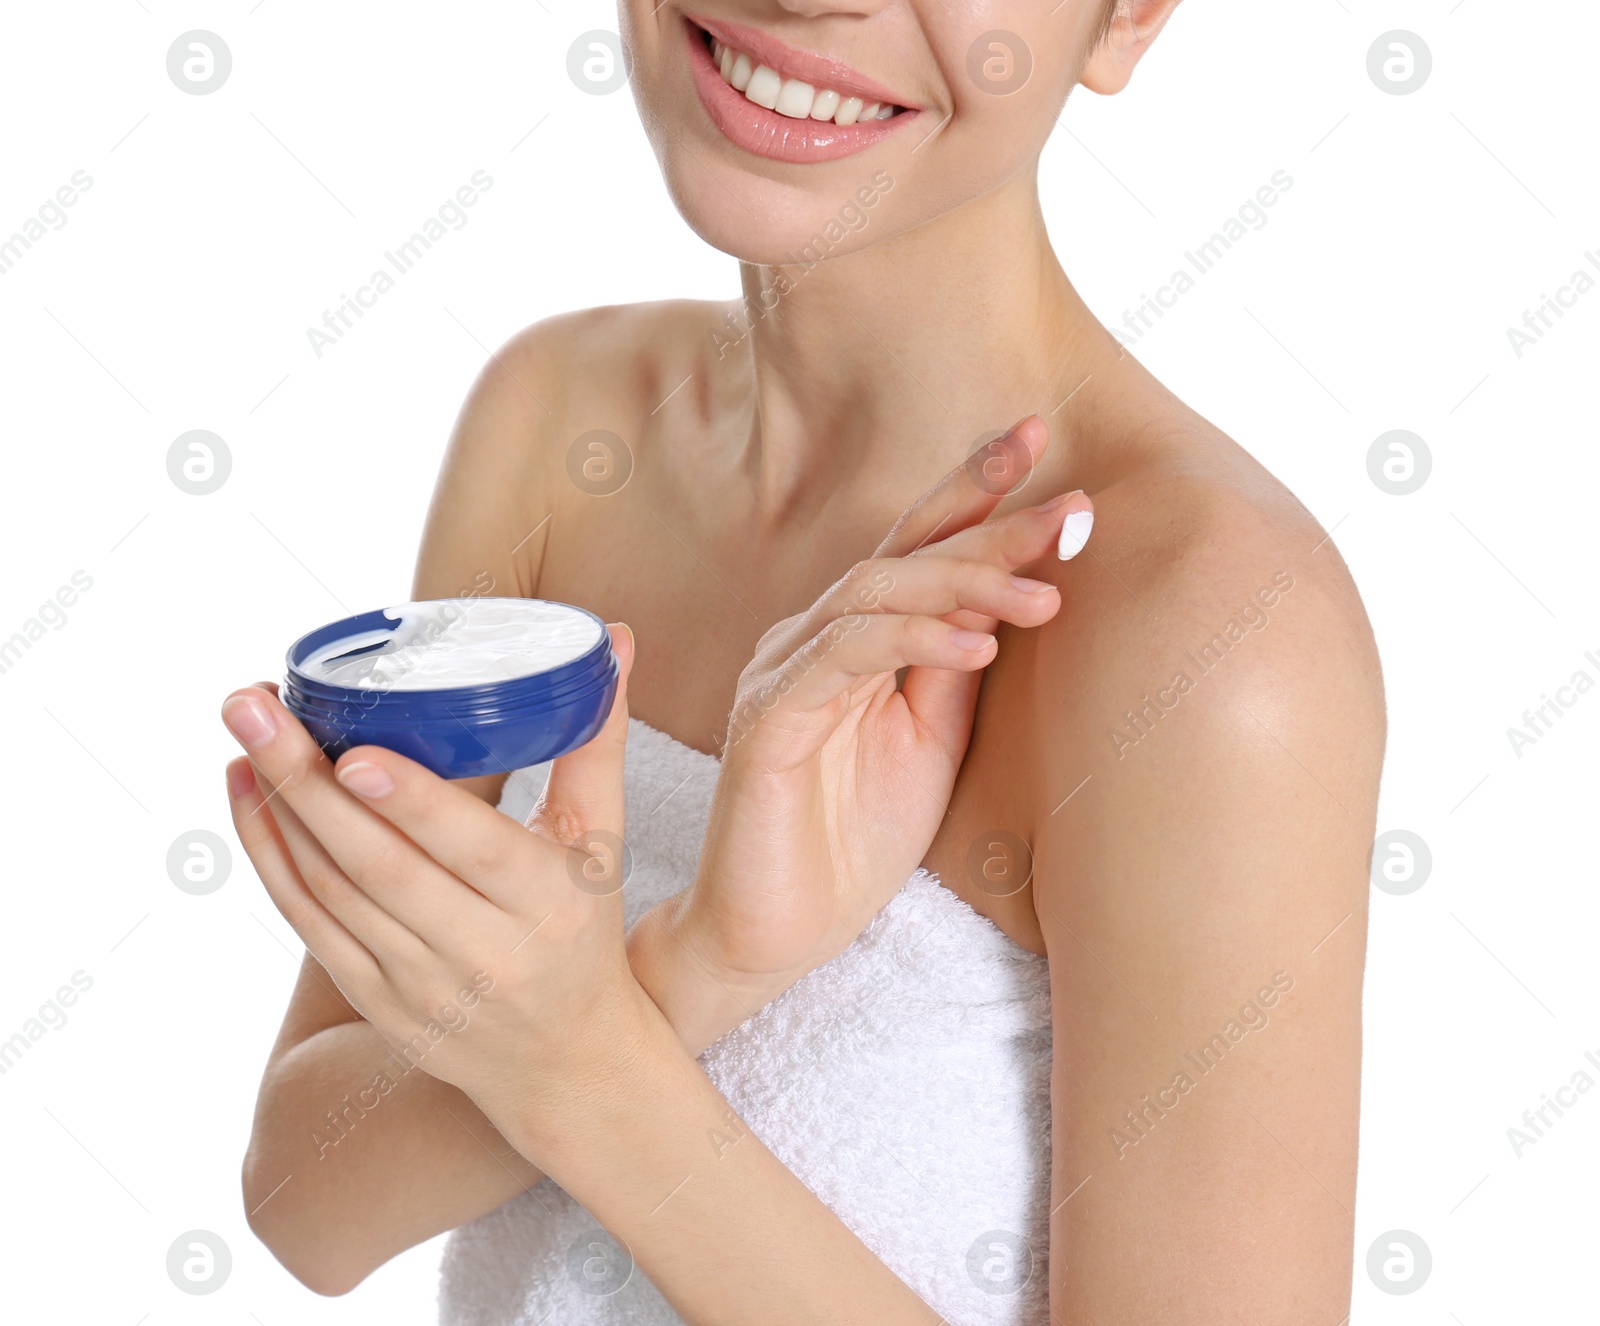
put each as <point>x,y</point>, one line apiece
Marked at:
<point>906,1083</point>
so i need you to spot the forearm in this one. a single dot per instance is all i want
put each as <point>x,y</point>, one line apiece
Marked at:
<point>358,1154</point>
<point>720,1226</point>
<point>700,1002</point>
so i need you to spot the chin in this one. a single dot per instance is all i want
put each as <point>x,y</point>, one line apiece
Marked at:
<point>764,187</point>
<point>774,223</point>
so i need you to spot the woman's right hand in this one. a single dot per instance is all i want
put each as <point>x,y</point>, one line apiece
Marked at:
<point>835,779</point>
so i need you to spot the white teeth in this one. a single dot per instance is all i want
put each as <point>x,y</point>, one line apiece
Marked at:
<point>789,96</point>
<point>764,87</point>
<point>795,98</point>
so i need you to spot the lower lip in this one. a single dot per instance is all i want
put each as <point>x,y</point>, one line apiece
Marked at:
<point>777,137</point>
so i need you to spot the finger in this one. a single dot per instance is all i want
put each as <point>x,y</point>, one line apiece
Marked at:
<point>389,938</point>
<point>973,621</point>
<point>971,491</point>
<point>387,868</point>
<point>463,833</point>
<point>1012,541</point>
<point>943,703</point>
<point>871,646</point>
<point>323,934</point>
<point>1057,529</point>
<point>584,791</point>
<point>934,585</point>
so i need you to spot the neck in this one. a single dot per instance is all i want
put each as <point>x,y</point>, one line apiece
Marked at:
<point>885,367</point>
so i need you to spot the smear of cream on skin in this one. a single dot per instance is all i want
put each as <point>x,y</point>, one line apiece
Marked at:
<point>1074,534</point>
<point>458,642</point>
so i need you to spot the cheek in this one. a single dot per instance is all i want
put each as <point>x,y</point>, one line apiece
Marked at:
<point>1009,73</point>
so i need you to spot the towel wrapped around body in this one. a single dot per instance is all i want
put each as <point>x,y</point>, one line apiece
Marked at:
<point>906,1083</point>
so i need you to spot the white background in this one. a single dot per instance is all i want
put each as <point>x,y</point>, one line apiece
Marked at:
<point>219,228</point>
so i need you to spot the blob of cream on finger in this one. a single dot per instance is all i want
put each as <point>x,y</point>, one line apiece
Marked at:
<point>1074,533</point>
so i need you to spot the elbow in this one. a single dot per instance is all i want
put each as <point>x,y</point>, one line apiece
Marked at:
<point>291,1234</point>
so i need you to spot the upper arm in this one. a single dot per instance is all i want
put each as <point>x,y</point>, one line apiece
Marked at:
<point>489,516</point>
<point>1203,902</point>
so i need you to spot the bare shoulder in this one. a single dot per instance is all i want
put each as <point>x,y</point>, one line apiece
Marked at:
<point>1203,717</point>
<point>557,404</point>
<point>1207,708</point>
<point>593,368</point>
<point>588,347</point>
<point>1209,589</point>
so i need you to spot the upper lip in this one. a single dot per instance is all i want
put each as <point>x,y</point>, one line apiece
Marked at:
<point>818,70</point>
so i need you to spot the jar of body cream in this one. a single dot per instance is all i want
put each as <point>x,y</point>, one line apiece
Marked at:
<point>464,686</point>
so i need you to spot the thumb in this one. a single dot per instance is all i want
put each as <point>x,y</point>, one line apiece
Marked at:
<point>944,704</point>
<point>584,791</point>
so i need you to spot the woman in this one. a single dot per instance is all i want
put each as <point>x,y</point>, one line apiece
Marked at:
<point>1099,1061</point>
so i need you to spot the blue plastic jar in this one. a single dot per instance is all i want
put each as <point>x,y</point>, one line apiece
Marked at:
<point>371,680</point>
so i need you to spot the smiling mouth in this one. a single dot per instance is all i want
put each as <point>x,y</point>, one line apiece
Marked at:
<point>777,101</point>
<point>764,86</point>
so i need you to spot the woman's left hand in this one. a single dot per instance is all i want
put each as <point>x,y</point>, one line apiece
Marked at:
<point>490,954</point>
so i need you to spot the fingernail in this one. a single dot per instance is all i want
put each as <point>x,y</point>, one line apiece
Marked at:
<point>241,779</point>
<point>973,640</point>
<point>248,720</point>
<point>1074,534</point>
<point>1031,586</point>
<point>1055,503</point>
<point>365,780</point>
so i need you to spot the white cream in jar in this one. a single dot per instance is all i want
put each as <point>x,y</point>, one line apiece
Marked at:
<point>445,643</point>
